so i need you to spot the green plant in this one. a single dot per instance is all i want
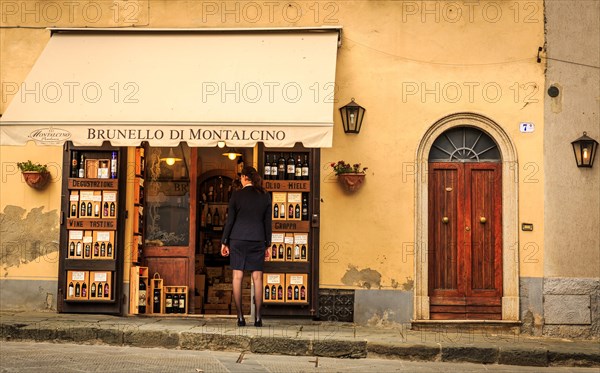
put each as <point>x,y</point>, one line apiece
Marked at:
<point>32,167</point>
<point>342,167</point>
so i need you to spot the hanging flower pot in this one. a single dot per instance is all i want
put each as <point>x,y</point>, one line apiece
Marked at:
<point>36,180</point>
<point>350,176</point>
<point>35,174</point>
<point>351,182</point>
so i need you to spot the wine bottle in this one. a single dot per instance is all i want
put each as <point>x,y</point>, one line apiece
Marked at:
<point>267,167</point>
<point>273,293</point>
<point>291,168</point>
<point>182,301</point>
<point>96,210</point>
<point>274,252</point>
<point>74,210</point>
<point>305,168</point>
<point>280,256</point>
<point>113,165</point>
<point>276,211</point>
<point>282,211</point>
<point>112,209</point>
<point>156,301</point>
<point>297,252</point>
<point>297,212</point>
<point>71,290</point>
<point>304,208</point>
<point>74,164</point>
<point>267,292</point>
<point>142,297</point>
<point>296,292</point>
<point>103,249</point>
<point>88,249</point>
<point>89,209</point>
<point>274,169</point>
<point>105,210</point>
<point>291,211</point>
<point>81,172</point>
<point>109,249</point>
<point>82,210</point>
<point>84,290</point>
<point>100,290</point>
<point>216,218</point>
<point>78,249</point>
<point>289,292</point>
<point>77,290</point>
<point>93,290</point>
<point>302,293</point>
<point>303,252</point>
<point>72,249</point>
<point>298,175</point>
<point>175,308</point>
<point>281,167</point>
<point>289,253</point>
<point>96,249</point>
<point>209,221</point>
<point>106,291</point>
<point>280,292</point>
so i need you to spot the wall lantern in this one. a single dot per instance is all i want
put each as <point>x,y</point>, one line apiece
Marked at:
<point>352,116</point>
<point>232,153</point>
<point>585,150</point>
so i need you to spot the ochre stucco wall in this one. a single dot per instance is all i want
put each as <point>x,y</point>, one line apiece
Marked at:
<point>409,63</point>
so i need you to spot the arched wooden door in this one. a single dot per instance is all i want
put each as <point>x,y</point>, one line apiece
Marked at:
<point>465,226</point>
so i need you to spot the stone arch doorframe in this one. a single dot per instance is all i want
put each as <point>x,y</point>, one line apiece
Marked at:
<point>510,213</point>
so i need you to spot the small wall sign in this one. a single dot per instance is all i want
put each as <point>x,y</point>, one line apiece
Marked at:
<point>526,127</point>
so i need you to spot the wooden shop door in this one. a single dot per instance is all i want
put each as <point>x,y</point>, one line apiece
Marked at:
<point>170,214</point>
<point>465,240</point>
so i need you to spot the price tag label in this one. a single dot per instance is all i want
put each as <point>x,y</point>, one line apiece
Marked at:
<point>75,235</point>
<point>289,240</point>
<point>74,197</point>
<point>277,237</point>
<point>273,279</point>
<point>301,239</point>
<point>100,276</point>
<point>87,239</point>
<point>296,280</point>
<point>110,196</point>
<point>103,236</point>
<point>78,276</point>
<point>87,195</point>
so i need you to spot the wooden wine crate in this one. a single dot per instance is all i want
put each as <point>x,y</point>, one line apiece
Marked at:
<point>136,275</point>
<point>173,305</point>
<point>296,285</point>
<point>279,209</point>
<point>75,245</point>
<point>157,305</point>
<point>273,287</point>
<point>101,285</point>
<point>289,247</point>
<point>77,285</point>
<point>300,247</point>
<point>294,205</point>
<point>109,204</point>
<point>106,244</point>
<point>74,204</point>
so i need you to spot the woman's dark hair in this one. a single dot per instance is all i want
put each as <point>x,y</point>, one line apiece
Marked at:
<point>254,176</point>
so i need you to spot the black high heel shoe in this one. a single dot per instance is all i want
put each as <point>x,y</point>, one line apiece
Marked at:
<point>241,322</point>
<point>258,323</point>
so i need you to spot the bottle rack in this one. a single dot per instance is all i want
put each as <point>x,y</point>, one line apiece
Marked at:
<point>290,270</point>
<point>91,240</point>
<point>139,290</point>
<point>138,209</point>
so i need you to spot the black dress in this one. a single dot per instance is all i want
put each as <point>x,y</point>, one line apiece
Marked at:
<point>248,229</point>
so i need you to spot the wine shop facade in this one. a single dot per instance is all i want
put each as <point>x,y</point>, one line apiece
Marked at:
<point>449,224</point>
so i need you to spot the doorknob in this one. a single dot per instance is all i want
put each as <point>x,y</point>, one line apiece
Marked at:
<point>482,220</point>
<point>445,220</point>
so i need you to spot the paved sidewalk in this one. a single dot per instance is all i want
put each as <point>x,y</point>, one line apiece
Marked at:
<point>300,338</point>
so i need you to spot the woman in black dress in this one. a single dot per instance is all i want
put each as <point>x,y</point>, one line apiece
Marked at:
<point>247,238</point>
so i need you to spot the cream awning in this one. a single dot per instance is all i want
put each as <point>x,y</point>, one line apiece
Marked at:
<point>274,86</point>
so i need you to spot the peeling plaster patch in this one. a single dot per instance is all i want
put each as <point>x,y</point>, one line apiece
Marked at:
<point>395,284</point>
<point>408,285</point>
<point>383,319</point>
<point>26,239</point>
<point>365,278</point>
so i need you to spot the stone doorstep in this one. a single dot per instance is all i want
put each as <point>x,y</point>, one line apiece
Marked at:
<point>483,353</point>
